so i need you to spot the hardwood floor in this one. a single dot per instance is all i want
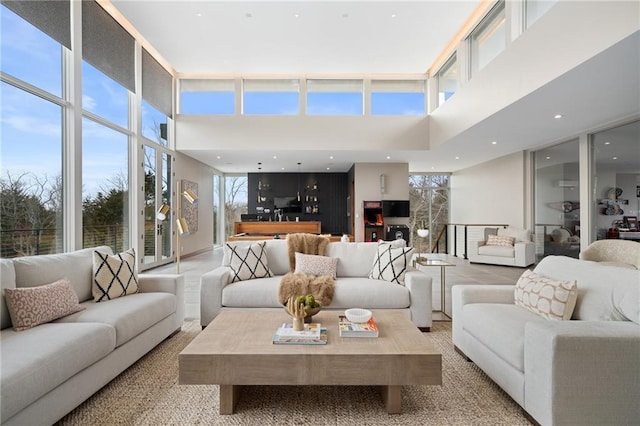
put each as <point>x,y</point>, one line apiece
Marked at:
<point>193,267</point>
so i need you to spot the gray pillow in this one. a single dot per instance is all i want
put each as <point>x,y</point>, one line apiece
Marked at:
<point>489,231</point>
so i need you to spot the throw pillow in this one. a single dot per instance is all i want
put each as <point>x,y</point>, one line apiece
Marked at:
<point>546,297</point>
<point>498,240</point>
<point>249,262</point>
<point>391,263</point>
<point>399,243</point>
<point>114,275</point>
<point>490,231</point>
<point>31,306</point>
<point>316,265</point>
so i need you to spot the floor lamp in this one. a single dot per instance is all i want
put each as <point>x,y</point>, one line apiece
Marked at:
<point>181,222</point>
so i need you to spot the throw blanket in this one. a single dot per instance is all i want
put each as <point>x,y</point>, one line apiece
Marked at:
<point>300,284</point>
<point>293,285</point>
<point>306,244</point>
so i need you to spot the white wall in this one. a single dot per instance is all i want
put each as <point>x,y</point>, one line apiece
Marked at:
<point>570,33</point>
<point>492,192</point>
<point>195,171</point>
<point>367,188</point>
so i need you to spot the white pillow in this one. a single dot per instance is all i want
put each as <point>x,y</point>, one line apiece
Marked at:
<point>114,275</point>
<point>499,240</point>
<point>391,263</point>
<point>549,298</point>
<point>249,262</point>
<point>311,264</point>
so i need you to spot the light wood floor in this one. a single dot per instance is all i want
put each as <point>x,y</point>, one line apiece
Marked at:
<point>193,267</point>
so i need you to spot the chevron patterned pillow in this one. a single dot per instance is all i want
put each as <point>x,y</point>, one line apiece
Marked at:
<point>114,275</point>
<point>249,262</point>
<point>391,263</point>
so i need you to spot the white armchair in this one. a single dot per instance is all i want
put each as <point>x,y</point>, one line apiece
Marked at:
<point>522,253</point>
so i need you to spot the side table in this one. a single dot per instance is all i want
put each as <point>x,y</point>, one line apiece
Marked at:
<point>424,261</point>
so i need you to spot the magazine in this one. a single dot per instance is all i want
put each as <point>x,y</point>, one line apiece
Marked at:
<point>356,329</point>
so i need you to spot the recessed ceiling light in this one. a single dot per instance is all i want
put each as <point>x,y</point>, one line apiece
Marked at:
<point>198,14</point>
<point>328,168</point>
<point>457,158</point>
<point>388,157</point>
<point>218,157</point>
<point>331,157</point>
<point>393,15</point>
<point>296,15</point>
<point>275,157</point>
<point>607,143</point>
<point>282,168</point>
<point>557,116</point>
<point>548,158</point>
<point>494,142</point>
<point>614,158</point>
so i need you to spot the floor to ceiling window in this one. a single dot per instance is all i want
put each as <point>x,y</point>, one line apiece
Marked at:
<point>557,199</point>
<point>429,201</point>
<point>235,201</point>
<point>616,182</point>
<point>31,107</point>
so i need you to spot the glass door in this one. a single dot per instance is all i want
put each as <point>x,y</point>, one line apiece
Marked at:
<point>157,171</point>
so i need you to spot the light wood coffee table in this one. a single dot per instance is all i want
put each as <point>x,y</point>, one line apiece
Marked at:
<point>236,349</point>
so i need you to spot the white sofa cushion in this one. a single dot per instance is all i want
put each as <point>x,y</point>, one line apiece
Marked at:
<point>37,360</point>
<point>259,293</point>
<point>129,316</point>
<point>355,259</point>
<point>601,288</point>
<point>549,298</point>
<point>499,251</point>
<point>75,266</point>
<point>500,327</point>
<point>372,294</point>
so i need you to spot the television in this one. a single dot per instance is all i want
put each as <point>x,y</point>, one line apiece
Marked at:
<point>395,208</point>
<point>287,204</point>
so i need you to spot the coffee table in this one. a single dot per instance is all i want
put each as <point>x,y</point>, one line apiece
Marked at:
<point>236,349</point>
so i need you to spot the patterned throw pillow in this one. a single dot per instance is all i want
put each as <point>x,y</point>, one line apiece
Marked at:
<point>316,265</point>
<point>391,263</point>
<point>31,306</point>
<point>500,240</point>
<point>249,262</point>
<point>114,275</point>
<point>546,297</point>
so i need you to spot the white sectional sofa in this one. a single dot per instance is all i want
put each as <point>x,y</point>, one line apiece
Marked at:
<point>48,370</point>
<point>583,371</point>
<point>353,288</point>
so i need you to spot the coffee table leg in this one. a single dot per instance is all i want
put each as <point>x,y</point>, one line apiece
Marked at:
<point>391,395</point>
<point>229,395</point>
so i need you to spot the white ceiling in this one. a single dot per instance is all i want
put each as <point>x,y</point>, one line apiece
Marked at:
<point>365,37</point>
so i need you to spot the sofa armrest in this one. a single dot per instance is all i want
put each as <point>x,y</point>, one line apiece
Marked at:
<point>582,372</point>
<point>419,285</point>
<point>464,294</point>
<point>474,248</point>
<point>211,285</point>
<point>165,283</point>
<point>525,253</point>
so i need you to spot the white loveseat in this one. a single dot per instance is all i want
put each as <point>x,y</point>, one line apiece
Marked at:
<point>522,253</point>
<point>48,370</point>
<point>353,288</point>
<point>584,371</point>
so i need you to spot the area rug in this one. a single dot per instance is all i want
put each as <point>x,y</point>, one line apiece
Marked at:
<point>148,393</point>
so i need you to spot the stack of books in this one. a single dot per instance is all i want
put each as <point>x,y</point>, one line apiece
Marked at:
<point>357,329</point>
<point>313,334</point>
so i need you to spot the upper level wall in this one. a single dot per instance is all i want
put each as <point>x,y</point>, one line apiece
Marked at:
<point>301,132</point>
<point>569,34</point>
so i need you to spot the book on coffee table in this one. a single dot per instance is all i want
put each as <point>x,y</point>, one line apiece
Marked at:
<point>313,334</point>
<point>357,329</point>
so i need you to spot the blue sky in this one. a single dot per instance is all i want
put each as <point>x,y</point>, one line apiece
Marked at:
<point>31,127</point>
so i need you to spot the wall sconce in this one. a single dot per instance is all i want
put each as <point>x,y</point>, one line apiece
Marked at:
<point>181,222</point>
<point>383,183</point>
<point>162,211</point>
